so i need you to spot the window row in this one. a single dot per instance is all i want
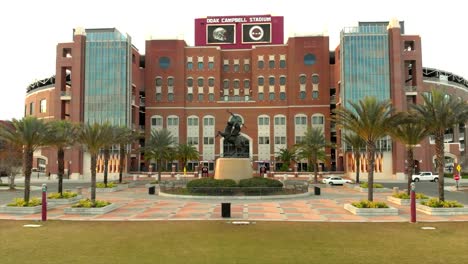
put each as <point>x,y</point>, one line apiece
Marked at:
<point>42,107</point>
<point>271,80</point>
<point>159,81</point>
<point>201,82</point>
<point>314,79</point>
<point>157,121</point>
<point>200,63</point>
<point>236,66</point>
<point>272,62</point>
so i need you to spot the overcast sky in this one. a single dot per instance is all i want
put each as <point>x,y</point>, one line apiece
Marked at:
<point>31,29</point>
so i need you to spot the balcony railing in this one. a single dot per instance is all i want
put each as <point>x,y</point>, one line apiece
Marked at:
<point>410,88</point>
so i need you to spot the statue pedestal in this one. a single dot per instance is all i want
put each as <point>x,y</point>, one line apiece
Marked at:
<point>233,168</point>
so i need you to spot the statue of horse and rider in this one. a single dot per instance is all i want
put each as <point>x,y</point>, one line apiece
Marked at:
<point>232,136</point>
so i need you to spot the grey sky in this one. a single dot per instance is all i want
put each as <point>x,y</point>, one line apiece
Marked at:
<point>31,29</point>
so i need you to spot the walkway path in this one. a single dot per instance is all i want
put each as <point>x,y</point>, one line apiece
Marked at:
<point>136,205</point>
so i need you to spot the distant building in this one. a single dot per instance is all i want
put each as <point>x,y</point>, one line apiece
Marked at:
<point>240,64</point>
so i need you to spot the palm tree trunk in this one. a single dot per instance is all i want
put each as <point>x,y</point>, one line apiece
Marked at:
<point>357,156</point>
<point>371,153</point>
<point>121,162</point>
<point>439,145</point>
<point>410,167</point>
<point>315,170</point>
<point>93,178</point>
<point>61,169</point>
<point>28,160</point>
<point>159,164</point>
<point>12,181</point>
<point>106,164</point>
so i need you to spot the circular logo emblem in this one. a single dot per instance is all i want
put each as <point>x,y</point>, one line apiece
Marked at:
<point>256,33</point>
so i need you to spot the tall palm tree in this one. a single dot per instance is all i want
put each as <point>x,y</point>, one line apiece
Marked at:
<point>110,136</point>
<point>186,152</point>
<point>408,130</point>
<point>369,119</point>
<point>93,138</point>
<point>358,145</point>
<point>441,111</point>
<point>286,156</point>
<point>159,147</point>
<point>28,133</point>
<point>62,136</point>
<point>123,137</point>
<point>312,148</point>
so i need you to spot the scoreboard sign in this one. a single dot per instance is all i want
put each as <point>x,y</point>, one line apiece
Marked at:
<point>237,32</point>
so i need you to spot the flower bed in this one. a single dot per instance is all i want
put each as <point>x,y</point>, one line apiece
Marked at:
<point>83,207</point>
<point>111,187</point>
<point>404,198</point>
<point>66,198</point>
<point>436,207</point>
<point>367,208</point>
<point>18,206</point>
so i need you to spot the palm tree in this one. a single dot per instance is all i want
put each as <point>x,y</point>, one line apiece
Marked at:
<point>124,136</point>
<point>159,147</point>
<point>110,136</point>
<point>409,131</point>
<point>186,152</point>
<point>357,144</point>
<point>369,119</point>
<point>62,136</point>
<point>28,133</point>
<point>93,138</point>
<point>441,111</point>
<point>286,156</point>
<point>312,148</point>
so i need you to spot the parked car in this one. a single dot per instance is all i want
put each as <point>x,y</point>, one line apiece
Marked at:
<point>336,180</point>
<point>425,176</point>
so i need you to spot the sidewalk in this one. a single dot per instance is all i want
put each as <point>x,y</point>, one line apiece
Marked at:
<point>136,205</point>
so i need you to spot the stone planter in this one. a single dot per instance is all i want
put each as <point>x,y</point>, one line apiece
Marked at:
<point>442,211</point>
<point>371,211</point>
<point>403,201</point>
<point>117,188</point>
<point>63,200</point>
<point>91,211</point>
<point>22,210</point>
<point>365,190</point>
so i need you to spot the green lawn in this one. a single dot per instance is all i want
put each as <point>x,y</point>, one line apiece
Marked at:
<point>187,242</point>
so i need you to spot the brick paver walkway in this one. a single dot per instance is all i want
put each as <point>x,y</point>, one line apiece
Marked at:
<point>136,205</point>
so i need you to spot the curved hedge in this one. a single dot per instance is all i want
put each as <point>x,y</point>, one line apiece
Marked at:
<point>260,182</point>
<point>209,182</point>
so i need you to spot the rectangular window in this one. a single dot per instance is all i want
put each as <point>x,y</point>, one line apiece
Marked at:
<point>189,82</point>
<point>261,96</point>
<point>299,139</point>
<point>271,64</point>
<point>282,64</point>
<point>31,108</point>
<point>158,97</point>
<point>271,96</point>
<point>208,121</point>
<point>236,67</point>
<point>226,67</point>
<point>211,82</point>
<point>189,65</point>
<point>261,80</point>
<point>271,80</point>
<point>226,84</point>
<point>236,84</point>
<point>200,97</point>
<point>211,97</point>
<point>170,81</point>
<point>282,96</point>
<point>260,64</point>
<point>200,65</point>
<point>43,106</point>
<point>315,94</point>
<point>208,140</point>
<point>246,67</point>
<point>192,140</point>
<point>263,121</point>
<point>301,120</point>
<point>317,120</point>
<point>282,80</point>
<point>263,140</point>
<point>200,82</point>
<point>211,65</point>
<point>280,140</point>
<point>172,121</point>
<point>247,84</point>
<point>193,121</point>
<point>280,120</point>
<point>170,97</point>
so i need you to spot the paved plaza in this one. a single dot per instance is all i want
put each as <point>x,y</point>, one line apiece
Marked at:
<point>135,204</point>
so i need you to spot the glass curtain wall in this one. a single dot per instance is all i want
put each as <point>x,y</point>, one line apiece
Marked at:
<point>108,78</point>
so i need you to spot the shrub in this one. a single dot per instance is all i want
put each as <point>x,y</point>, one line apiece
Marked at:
<point>369,204</point>
<point>366,185</point>
<point>66,195</point>
<point>260,182</point>
<point>86,203</point>
<point>154,182</point>
<point>210,182</point>
<point>404,195</point>
<point>19,202</point>
<point>436,203</point>
<point>102,185</point>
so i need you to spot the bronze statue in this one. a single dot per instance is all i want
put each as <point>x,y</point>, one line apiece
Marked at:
<point>233,137</point>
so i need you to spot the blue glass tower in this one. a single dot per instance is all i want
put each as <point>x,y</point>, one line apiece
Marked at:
<point>107,77</point>
<point>364,63</point>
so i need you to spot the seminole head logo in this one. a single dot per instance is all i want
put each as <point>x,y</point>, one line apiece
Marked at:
<point>256,33</point>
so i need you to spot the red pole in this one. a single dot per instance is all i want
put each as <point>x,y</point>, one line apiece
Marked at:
<point>413,203</point>
<point>44,202</point>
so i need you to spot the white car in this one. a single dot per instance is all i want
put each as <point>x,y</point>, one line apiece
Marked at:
<point>335,180</point>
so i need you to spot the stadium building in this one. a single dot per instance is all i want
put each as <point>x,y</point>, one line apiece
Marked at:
<point>241,65</point>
